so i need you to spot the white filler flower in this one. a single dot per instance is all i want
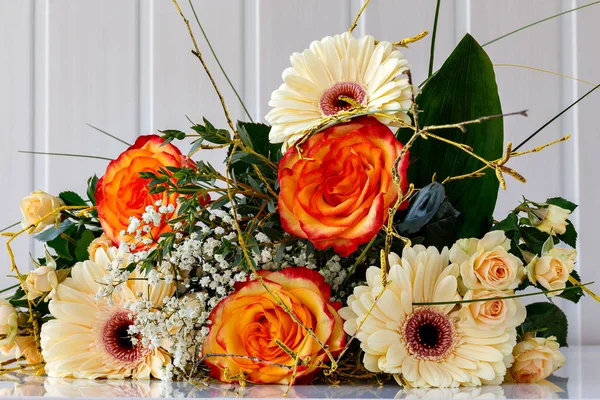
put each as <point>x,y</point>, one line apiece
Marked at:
<point>370,74</point>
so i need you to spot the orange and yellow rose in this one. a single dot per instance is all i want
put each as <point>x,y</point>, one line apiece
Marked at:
<point>122,193</point>
<point>338,193</point>
<point>249,323</point>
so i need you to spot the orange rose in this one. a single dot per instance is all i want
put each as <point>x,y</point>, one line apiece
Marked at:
<point>122,193</point>
<point>248,322</point>
<point>339,192</point>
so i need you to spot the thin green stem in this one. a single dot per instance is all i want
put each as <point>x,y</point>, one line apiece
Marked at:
<point>64,155</point>
<point>219,62</point>
<point>108,134</point>
<point>10,288</point>
<point>539,22</point>
<point>554,118</point>
<point>10,226</point>
<point>433,35</point>
<point>360,259</point>
<point>516,296</point>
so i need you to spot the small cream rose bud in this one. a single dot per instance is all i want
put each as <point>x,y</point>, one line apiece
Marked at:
<point>552,269</point>
<point>493,313</point>
<point>553,219</point>
<point>486,263</point>
<point>8,323</point>
<point>37,206</point>
<point>40,281</point>
<point>535,359</point>
<point>101,242</point>
<point>27,347</point>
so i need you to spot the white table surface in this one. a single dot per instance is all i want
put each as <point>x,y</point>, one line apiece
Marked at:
<point>579,378</point>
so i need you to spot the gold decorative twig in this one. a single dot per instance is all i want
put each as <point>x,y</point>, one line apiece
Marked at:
<point>13,264</point>
<point>406,41</point>
<point>198,54</point>
<point>461,125</point>
<point>355,22</point>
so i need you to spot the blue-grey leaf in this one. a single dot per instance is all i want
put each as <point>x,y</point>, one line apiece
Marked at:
<point>53,232</point>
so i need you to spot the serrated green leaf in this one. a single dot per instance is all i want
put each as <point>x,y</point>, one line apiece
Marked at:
<point>546,319</point>
<point>508,224</point>
<point>463,89</point>
<point>62,247</point>
<point>575,294</point>
<point>570,235</point>
<point>257,137</point>
<point>72,199</point>
<point>562,203</point>
<point>534,238</point>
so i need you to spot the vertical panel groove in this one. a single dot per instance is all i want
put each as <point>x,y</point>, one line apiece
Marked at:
<point>568,124</point>
<point>146,66</point>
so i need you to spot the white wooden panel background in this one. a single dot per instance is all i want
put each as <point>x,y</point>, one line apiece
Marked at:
<point>125,66</point>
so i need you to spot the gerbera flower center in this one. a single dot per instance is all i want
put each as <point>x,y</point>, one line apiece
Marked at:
<point>333,101</point>
<point>429,334</point>
<point>118,342</point>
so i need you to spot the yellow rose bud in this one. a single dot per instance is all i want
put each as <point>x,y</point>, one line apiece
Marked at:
<point>553,220</point>
<point>486,263</point>
<point>552,269</point>
<point>27,347</point>
<point>36,206</point>
<point>102,242</point>
<point>40,281</point>
<point>8,323</point>
<point>494,313</point>
<point>535,359</point>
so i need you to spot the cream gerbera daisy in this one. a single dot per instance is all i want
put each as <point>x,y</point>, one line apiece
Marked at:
<point>371,74</point>
<point>424,345</point>
<point>89,337</point>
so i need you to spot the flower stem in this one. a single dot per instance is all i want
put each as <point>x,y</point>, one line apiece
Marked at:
<point>516,296</point>
<point>219,62</point>
<point>435,24</point>
<point>554,118</point>
<point>108,134</point>
<point>539,22</point>
<point>65,155</point>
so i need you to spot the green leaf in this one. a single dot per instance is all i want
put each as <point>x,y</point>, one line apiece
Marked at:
<point>81,249</point>
<point>570,235</point>
<point>534,238</point>
<point>72,199</point>
<point>573,295</point>
<point>547,320</point>
<point>209,133</point>
<point>463,89</point>
<point>245,157</point>
<point>91,190</point>
<point>62,247</point>
<point>257,137</point>
<point>508,224</point>
<point>562,203</point>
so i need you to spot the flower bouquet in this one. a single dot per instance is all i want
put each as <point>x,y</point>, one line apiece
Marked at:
<point>351,239</point>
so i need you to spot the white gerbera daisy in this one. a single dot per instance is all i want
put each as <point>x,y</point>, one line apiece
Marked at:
<point>89,338</point>
<point>424,345</point>
<point>370,74</point>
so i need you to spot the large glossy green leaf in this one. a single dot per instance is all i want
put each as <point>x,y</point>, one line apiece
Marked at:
<point>463,89</point>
